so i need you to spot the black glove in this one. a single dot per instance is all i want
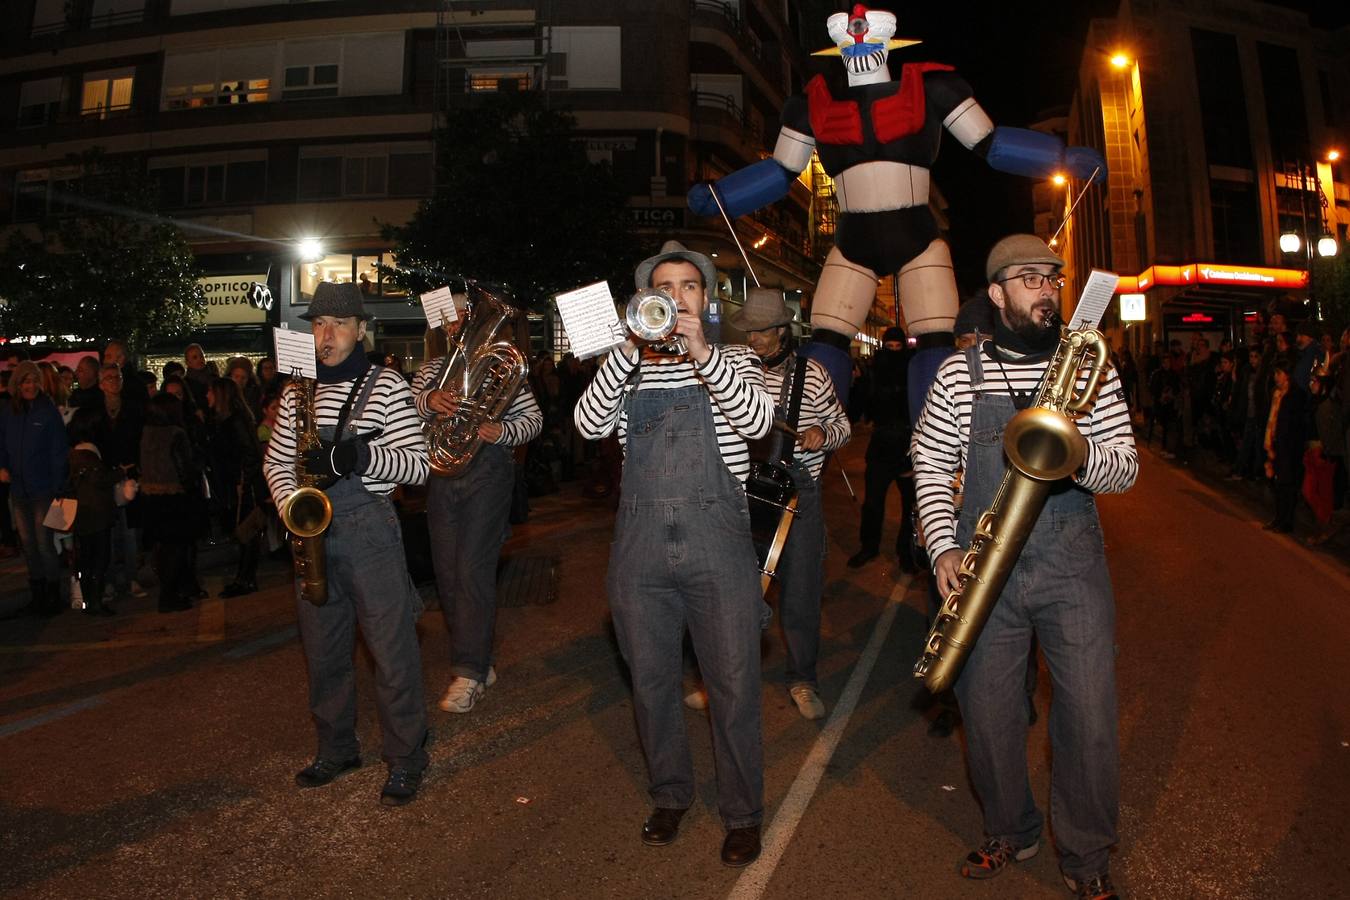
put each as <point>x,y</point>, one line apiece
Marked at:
<point>336,460</point>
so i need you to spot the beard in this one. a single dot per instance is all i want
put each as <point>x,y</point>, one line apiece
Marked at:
<point>1037,333</point>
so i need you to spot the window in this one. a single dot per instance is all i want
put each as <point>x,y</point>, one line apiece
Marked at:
<point>365,170</point>
<point>210,178</point>
<point>1286,114</point>
<point>39,102</point>
<point>1237,222</point>
<point>493,80</point>
<point>42,192</point>
<point>1223,106</point>
<point>344,268</point>
<point>107,13</point>
<point>49,17</point>
<point>229,76</point>
<point>106,92</point>
<point>719,91</point>
<point>310,81</point>
<point>585,58</point>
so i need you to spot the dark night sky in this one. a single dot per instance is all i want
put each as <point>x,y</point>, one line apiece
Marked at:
<point>1021,58</point>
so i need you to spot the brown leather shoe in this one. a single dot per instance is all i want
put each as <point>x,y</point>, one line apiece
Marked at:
<point>660,829</point>
<point>741,847</point>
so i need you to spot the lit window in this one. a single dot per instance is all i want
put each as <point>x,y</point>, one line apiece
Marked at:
<point>491,80</point>
<point>106,92</point>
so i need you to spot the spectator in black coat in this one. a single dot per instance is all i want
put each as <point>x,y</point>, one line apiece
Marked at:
<point>92,483</point>
<point>236,460</point>
<point>1286,434</point>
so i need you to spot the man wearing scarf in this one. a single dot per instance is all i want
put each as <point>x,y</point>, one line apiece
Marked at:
<point>371,440</point>
<point>1059,590</point>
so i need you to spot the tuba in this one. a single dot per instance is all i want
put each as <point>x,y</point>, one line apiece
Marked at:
<point>484,374</point>
<point>307,512</point>
<point>1043,445</point>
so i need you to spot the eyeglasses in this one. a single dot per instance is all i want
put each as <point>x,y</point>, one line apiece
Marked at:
<point>1034,280</point>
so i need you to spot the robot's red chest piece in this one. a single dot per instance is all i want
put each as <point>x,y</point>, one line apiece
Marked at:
<point>899,115</point>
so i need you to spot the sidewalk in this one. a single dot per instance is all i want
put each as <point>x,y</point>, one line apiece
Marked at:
<point>1254,496</point>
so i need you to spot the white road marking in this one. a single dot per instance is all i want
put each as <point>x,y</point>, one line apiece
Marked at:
<point>52,715</point>
<point>755,879</point>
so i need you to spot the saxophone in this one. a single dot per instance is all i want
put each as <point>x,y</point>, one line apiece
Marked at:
<point>484,374</point>
<point>1043,445</point>
<point>307,512</point>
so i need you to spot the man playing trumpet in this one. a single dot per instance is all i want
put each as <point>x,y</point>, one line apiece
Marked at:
<point>682,556</point>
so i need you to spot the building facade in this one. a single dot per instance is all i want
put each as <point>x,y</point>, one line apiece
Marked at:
<point>1219,121</point>
<point>271,126</point>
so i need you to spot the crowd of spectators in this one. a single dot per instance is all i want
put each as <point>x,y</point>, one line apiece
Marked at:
<point>1275,410</point>
<point>155,463</point>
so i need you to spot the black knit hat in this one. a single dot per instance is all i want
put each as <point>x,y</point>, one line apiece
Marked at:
<point>336,300</point>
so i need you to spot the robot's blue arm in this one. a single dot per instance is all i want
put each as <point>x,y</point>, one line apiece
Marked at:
<point>1019,151</point>
<point>744,190</point>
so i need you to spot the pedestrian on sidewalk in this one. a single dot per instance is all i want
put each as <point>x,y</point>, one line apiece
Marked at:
<point>92,484</point>
<point>169,472</point>
<point>33,451</point>
<point>1285,437</point>
<point>236,460</point>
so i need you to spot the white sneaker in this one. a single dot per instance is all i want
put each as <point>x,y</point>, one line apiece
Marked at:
<point>808,701</point>
<point>696,699</point>
<point>137,591</point>
<point>464,692</point>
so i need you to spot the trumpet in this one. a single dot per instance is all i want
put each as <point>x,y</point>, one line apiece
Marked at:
<point>651,316</point>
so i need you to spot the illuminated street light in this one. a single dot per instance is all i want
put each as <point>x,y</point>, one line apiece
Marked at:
<point>1059,179</point>
<point>1289,242</point>
<point>310,250</point>
<point>1333,155</point>
<point>1120,60</point>
<point>1326,246</point>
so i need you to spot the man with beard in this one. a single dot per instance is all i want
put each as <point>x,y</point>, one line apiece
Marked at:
<point>888,452</point>
<point>1059,589</point>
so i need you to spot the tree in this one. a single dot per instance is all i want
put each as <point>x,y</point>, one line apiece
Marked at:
<point>104,266</point>
<point>516,202</point>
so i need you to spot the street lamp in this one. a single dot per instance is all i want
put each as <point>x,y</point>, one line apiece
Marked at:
<point>1291,241</point>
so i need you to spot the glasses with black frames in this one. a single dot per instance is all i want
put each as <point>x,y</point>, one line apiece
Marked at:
<point>1034,280</point>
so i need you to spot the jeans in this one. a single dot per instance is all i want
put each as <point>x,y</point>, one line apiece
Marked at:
<point>801,579</point>
<point>887,462</point>
<point>368,583</point>
<point>467,520</point>
<point>39,549</point>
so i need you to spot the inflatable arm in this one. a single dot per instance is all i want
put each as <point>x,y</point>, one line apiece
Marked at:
<point>1020,151</point>
<point>744,190</point>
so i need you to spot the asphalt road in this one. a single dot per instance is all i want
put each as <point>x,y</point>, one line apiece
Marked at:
<point>152,755</point>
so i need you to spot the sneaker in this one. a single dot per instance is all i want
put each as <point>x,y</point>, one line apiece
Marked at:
<point>1098,887</point>
<point>696,699</point>
<point>990,858</point>
<point>323,770</point>
<point>401,786</point>
<point>137,591</point>
<point>808,701</point>
<point>464,692</point>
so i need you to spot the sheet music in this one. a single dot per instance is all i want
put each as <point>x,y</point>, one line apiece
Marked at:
<point>295,353</point>
<point>591,322</point>
<point>439,307</point>
<point>1096,296</point>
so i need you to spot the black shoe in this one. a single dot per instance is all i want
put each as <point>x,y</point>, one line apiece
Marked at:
<point>861,558</point>
<point>401,786</point>
<point>238,589</point>
<point>741,847</point>
<point>660,829</point>
<point>944,724</point>
<point>322,771</point>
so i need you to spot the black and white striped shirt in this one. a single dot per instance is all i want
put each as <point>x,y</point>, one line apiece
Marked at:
<point>521,423</point>
<point>942,435</point>
<point>820,407</point>
<point>398,456</point>
<point>741,407</point>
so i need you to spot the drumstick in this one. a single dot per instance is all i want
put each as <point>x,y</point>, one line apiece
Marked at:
<point>788,429</point>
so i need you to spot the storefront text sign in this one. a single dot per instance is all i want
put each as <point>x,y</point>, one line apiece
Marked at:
<point>236,299</point>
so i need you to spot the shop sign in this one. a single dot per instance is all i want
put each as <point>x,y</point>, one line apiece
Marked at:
<point>656,216</point>
<point>236,299</point>
<point>1132,308</point>
<point>1213,273</point>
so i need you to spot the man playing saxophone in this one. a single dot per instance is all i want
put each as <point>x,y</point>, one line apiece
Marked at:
<point>1058,589</point>
<point>370,439</point>
<point>467,519</point>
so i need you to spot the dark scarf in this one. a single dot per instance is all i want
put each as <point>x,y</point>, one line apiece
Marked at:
<point>776,360</point>
<point>1015,348</point>
<point>349,369</point>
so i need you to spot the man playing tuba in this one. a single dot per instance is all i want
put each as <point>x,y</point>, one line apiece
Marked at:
<point>369,440</point>
<point>467,518</point>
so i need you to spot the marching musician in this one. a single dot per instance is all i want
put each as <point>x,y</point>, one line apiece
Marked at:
<point>467,519</point>
<point>1059,589</point>
<point>371,440</point>
<point>682,555</point>
<point>807,404</point>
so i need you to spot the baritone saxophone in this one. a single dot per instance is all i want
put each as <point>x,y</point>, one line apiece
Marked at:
<point>1043,445</point>
<point>307,512</point>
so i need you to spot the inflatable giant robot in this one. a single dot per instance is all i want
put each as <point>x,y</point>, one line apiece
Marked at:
<point>878,141</point>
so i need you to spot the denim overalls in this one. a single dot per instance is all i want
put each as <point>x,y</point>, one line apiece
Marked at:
<point>682,558</point>
<point>1060,588</point>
